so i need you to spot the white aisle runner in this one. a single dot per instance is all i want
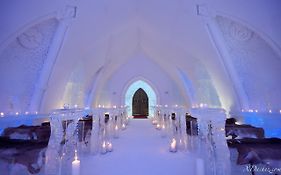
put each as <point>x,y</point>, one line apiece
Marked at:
<point>139,151</point>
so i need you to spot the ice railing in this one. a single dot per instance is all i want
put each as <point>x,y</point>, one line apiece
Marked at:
<point>207,141</point>
<point>65,148</point>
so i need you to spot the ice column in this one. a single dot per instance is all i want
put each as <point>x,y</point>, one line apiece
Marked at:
<point>211,123</point>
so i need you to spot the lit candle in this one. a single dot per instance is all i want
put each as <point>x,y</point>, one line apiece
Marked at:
<point>158,126</point>
<point>103,150</point>
<point>109,146</point>
<point>173,146</point>
<point>76,167</point>
<point>123,126</point>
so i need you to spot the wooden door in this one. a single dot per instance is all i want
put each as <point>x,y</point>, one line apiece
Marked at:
<point>140,103</point>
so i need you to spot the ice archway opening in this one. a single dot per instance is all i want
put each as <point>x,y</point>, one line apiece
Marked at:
<point>152,98</point>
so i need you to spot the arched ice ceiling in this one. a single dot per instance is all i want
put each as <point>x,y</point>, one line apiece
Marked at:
<point>103,35</point>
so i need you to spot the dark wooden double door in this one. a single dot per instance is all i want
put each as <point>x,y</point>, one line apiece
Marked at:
<point>140,103</point>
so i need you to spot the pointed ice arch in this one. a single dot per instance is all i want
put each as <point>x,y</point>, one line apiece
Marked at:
<point>131,90</point>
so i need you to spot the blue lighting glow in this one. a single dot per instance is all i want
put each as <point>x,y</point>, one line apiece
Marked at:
<point>152,100</point>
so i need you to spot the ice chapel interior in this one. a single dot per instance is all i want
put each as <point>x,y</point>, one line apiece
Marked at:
<point>140,87</point>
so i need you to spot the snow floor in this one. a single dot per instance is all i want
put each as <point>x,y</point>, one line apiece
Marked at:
<point>139,150</point>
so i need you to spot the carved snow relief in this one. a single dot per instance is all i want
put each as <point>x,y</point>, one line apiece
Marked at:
<point>20,65</point>
<point>240,32</point>
<point>256,64</point>
<point>31,39</point>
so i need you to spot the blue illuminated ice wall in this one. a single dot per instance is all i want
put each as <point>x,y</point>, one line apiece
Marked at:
<point>152,99</point>
<point>270,122</point>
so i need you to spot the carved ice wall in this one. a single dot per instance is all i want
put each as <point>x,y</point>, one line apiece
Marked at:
<point>205,90</point>
<point>74,92</point>
<point>20,65</point>
<point>256,63</point>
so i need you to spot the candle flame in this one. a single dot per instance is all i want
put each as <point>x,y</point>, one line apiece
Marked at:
<point>173,145</point>
<point>103,145</point>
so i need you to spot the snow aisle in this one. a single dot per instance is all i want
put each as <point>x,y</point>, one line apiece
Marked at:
<point>139,151</point>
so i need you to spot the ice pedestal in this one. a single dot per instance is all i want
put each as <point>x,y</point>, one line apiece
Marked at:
<point>97,115</point>
<point>63,140</point>
<point>212,146</point>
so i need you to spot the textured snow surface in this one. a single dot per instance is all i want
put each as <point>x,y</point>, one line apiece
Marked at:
<point>139,150</point>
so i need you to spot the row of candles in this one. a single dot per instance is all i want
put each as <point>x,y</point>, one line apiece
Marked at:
<point>169,124</point>
<point>168,121</point>
<point>107,123</point>
<point>256,111</point>
<point>2,114</point>
<point>204,140</point>
<point>111,122</point>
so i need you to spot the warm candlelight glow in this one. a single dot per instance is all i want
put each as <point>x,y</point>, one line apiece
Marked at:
<point>103,149</point>
<point>76,167</point>
<point>75,164</point>
<point>158,126</point>
<point>103,145</point>
<point>173,146</point>
<point>109,146</point>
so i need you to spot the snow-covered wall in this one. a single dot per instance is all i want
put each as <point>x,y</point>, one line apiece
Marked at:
<point>257,65</point>
<point>101,39</point>
<point>140,68</point>
<point>21,64</point>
